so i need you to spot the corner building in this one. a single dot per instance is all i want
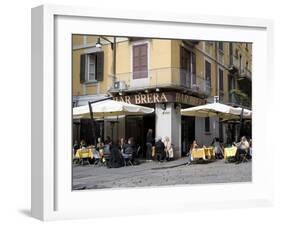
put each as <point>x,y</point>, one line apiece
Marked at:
<point>167,75</point>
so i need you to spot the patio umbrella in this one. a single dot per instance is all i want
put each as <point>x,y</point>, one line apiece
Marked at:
<point>216,110</point>
<point>110,108</point>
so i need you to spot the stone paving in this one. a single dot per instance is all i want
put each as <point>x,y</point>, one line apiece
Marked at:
<point>157,174</point>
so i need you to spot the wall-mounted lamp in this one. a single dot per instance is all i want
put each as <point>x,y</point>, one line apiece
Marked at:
<point>98,43</point>
<point>163,106</point>
<point>157,90</point>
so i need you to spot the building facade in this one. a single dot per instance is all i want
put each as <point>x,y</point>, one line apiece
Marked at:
<point>168,75</point>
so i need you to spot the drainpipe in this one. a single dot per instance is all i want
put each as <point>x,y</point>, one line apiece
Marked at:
<point>114,61</point>
<point>217,80</point>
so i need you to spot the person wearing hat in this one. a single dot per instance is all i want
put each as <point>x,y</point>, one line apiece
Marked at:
<point>160,149</point>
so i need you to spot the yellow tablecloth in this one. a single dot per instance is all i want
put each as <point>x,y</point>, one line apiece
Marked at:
<point>209,152</point>
<point>204,153</point>
<point>229,152</point>
<point>84,153</point>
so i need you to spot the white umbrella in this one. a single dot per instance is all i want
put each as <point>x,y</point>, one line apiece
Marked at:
<point>110,108</point>
<point>216,110</point>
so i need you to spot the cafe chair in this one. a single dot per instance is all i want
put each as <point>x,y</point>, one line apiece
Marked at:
<point>245,157</point>
<point>128,158</point>
<point>82,160</point>
<point>97,158</point>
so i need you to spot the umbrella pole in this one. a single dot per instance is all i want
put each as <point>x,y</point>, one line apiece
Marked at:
<point>92,123</point>
<point>241,123</point>
<point>117,128</point>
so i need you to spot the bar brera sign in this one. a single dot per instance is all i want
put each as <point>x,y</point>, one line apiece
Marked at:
<point>163,97</point>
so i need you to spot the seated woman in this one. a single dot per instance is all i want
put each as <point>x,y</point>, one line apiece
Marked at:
<point>218,148</point>
<point>242,148</point>
<point>168,149</point>
<point>189,155</point>
<point>100,146</point>
<point>122,145</point>
<point>129,150</point>
<point>83,144</point>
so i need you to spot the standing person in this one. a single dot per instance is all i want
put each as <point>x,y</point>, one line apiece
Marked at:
<point>168,149</point>
<point>242,148</point>
<point>149,143</point>
<point>160,149</point>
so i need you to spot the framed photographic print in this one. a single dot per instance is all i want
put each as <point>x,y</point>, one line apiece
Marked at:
<point>135,112</point>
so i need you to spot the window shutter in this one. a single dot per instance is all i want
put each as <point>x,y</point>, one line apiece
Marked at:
<point>99,66</point>
<point>140,61</point>
<point>82,68</point>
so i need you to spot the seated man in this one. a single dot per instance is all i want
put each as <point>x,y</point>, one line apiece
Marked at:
<point>160,149</point>
<point>242,148</point>
<point>129,150</point>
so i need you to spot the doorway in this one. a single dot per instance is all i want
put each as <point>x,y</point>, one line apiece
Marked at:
<point>187,133</point>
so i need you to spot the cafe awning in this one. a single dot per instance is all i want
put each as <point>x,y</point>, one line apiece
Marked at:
<point>109,108</point>
<point>216,110</point>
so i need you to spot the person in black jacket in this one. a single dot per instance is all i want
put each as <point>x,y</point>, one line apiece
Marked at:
<point>160,149</point>
<point>115,159</point>
<point>149,143</point>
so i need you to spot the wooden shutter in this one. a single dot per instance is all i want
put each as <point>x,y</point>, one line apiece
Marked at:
<point>140,61</point>
<point>208,71</point>
<point>99,65</point>
<point>82,68</point>
<point>193,68</point>
<point>221,79</point>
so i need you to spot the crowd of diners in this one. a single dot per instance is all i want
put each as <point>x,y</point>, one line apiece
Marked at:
<point>116,154</point>
<point>244,147</point>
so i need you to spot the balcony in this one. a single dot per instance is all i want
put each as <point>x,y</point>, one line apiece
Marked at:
<point>172,78</point>
<point>245,72</point>
<point>233,63</point>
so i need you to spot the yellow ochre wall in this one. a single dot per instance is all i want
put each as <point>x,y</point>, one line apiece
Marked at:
<point>163,62</point>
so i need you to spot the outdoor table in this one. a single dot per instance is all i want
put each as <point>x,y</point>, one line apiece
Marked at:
<point>229,152</point>
<point>209,153</point>
<point>204,153</point>
<point>84,153</point>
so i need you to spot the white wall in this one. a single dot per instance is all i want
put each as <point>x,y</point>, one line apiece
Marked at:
<point>168,123</point>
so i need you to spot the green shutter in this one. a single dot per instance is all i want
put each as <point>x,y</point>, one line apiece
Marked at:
<point>99,66</point>
<point>82,68</point>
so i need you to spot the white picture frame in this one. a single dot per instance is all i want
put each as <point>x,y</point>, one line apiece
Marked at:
<point>52,197</point>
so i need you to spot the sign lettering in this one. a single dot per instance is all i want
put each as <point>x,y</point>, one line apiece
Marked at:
<point>164,97</point>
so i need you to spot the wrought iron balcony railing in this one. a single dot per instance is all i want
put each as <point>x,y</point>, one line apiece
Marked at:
<point>162,77</point>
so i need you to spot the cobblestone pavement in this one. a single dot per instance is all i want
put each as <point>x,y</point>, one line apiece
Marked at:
<point>154,174</point>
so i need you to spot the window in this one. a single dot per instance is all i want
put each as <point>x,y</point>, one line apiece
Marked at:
<point>208,76</point>
<point>221,81</point>
<point>207,124</point>
<point>91,67</point>
<point>221,47</point>
<point>187,67</point>
<point>91,64</point>
<point>140,61</point>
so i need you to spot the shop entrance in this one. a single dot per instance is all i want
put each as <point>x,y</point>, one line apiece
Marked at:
<point>187,133</point>
<point>137,127</point>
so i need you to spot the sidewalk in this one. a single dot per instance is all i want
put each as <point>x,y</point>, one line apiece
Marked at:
<point>155,174</point>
